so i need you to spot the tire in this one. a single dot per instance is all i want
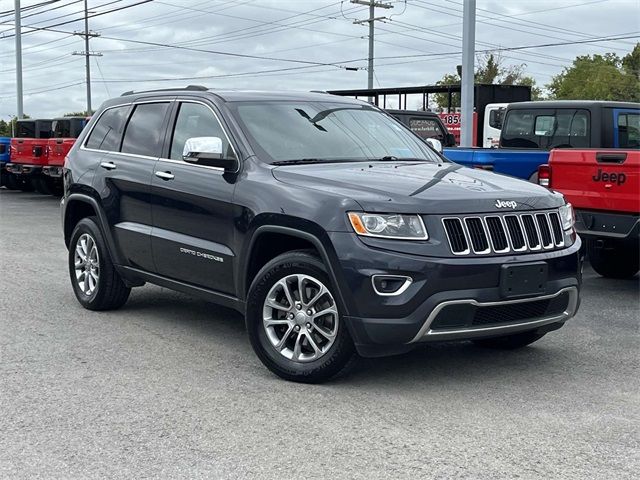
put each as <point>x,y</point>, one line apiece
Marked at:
<point>41,185</point>
<point>11,181</point>
<point>299,359</point>
<point>613,260</point>
<point>25,185</point>
<point>509,342</point>
<point>109,291</point>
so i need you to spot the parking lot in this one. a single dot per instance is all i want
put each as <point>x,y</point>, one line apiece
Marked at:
<point>168,386</point>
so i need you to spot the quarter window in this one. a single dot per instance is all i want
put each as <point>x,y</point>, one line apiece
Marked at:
<point>563,128</point>
<point>196,120</point>
<point>144,134</point>
<point>106,134</point>
<point>629,130</point>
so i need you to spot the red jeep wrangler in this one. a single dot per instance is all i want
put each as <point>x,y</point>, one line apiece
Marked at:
<point>604,188</point>
<point>64,133</point>
<point>29,154</point>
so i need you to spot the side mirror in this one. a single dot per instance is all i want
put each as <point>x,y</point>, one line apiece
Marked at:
<point>208,151</point>
<point>435,144</point>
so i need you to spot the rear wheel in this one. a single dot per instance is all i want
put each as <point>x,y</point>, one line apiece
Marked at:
<point>613,260</point>
<point>294,323</point>
<point>510,342</point>
<point>25,185</point>
<point>96,283</point>
<point>41,185</point>
<point>11,182</point>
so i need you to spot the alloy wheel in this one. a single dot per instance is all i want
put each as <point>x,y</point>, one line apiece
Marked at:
<point>300,318</point>
<point>86,264</point>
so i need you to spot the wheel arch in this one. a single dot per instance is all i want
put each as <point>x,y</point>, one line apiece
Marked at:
<point>299,239</point>
<point>78,206</point>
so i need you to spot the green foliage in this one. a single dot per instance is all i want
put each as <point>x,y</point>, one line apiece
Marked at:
<point>78,114</point>
<point>600,77</point>
<point>489,70</point>
<point>6,127</point>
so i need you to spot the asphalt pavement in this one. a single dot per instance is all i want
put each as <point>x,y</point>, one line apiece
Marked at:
<point>168,387</point>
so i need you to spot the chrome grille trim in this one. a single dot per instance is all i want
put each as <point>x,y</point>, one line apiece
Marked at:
<point>541,230</point>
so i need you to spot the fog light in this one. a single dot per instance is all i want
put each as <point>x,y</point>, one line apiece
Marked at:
<point>390,285</point>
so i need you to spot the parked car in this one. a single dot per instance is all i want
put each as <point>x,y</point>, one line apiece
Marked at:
<point>604,187</point>
<point>29,154</point>
<point>531,129</point>
<point>65,130</point>
<point>6,179</point>
<point>328,224</point>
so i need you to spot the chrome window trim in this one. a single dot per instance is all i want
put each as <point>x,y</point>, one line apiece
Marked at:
<point>504,229</point>
<point>425,333</point>
<point>457,219</point>
<point>470,242</point>
<point>407,283</point>
<point>146,157</point>
<point>224,130</point>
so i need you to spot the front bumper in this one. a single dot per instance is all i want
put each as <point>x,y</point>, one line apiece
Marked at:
<point>451,292</point>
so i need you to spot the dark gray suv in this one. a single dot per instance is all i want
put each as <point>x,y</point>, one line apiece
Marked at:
<point>330,225</point>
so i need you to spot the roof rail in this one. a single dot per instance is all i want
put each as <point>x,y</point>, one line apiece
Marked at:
<point>198,88</point>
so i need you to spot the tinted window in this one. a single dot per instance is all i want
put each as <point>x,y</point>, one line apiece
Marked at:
<point>196,120</point>
<point>547,129</point>
<point>426,128</point>
<point>143,135</point>
<point>106,133</point>
<point>62,128</point>
<point>26,129</point>
<point>629,130</point>
<point>495,118</point>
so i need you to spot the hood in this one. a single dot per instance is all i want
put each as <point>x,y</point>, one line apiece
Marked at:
<point>419,187</point>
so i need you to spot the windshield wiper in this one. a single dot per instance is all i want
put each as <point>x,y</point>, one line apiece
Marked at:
<point>303,161</point>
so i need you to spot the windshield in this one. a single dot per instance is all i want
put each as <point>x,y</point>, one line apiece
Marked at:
<point>325,131</point>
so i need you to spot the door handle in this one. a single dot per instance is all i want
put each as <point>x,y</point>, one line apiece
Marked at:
<point>165,175</point>
<point>108,165</point>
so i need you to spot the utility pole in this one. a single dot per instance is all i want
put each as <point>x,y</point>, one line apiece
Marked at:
<point>87,54</point>
<point>19,60</point>
<point>372,4</point>
<point>468,71</point>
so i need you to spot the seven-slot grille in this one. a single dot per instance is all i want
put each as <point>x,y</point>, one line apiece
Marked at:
<point>484,234</point>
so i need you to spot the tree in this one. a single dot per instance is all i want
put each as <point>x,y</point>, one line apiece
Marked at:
<point>600,77</point>
<point>489,70</point>
<point>78,114</point>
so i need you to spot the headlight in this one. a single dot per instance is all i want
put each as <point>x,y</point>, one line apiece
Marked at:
<point>392,225</point>
<point>567,217</point>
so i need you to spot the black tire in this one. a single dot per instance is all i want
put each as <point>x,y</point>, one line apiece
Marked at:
<point>41,185</point>
<point>329,364</point>
<point>510,342</point>
<point>25,185</point>
<point>11,181</point>
<point>110,292</point>
<point>613,260</point>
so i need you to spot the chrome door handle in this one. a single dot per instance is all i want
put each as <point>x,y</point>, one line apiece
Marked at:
<point>165,175</point>
<point>108,165</point>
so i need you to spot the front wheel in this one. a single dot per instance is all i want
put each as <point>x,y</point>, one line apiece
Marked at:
<point>96,283</point>
<point>294,323</point>
<point>509,342</point>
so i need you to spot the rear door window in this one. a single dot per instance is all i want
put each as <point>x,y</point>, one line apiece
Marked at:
<point>107,132</point>
<point>628,127</point>
<point>144,134</point>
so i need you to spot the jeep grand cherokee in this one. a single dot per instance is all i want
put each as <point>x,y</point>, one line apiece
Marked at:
<point>326,222</point>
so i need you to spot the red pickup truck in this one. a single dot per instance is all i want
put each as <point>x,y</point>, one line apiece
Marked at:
<point>604,188</point>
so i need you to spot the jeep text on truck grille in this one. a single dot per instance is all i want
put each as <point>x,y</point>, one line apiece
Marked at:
<point>330,225</point>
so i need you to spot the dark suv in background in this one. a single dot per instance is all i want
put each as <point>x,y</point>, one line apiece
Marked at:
<point>327,223</point>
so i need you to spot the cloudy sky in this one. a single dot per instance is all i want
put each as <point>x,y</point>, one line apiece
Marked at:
<point>285,44</point>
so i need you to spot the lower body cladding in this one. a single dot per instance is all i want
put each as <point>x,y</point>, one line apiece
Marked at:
<point>446,299</point>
